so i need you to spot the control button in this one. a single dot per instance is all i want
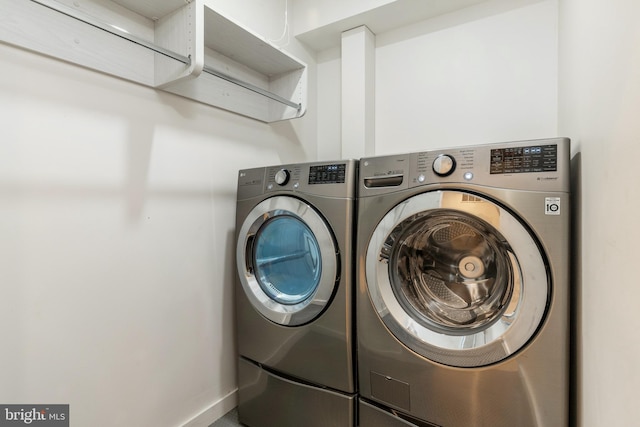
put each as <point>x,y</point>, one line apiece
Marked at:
<point>296,185</point>
<point>421,178</point>
<point>282,177</point>
<point>444,165</point>
<point>468,176</point>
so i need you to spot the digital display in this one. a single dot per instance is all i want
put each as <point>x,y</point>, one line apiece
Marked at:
<point>327,174</point>
<point>537,158</point>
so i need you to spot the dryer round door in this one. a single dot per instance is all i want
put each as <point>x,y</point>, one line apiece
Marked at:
<point>457,278</point>
<point>287,260</point>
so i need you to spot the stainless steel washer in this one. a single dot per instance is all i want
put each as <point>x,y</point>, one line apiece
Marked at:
<point>295,296</point>
<point>463,286</point>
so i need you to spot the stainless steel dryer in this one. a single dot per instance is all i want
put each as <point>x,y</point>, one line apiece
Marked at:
<point>295,295</point>
<point>463,287</point>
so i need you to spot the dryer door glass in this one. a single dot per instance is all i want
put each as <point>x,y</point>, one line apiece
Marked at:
<point>457,278</point>
<point>287,260</point>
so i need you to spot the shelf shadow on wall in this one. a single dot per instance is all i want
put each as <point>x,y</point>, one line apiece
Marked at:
<point>138,162</point>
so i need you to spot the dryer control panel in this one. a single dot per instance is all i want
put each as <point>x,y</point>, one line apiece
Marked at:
<point>328,174</point>
<point>330,179</point>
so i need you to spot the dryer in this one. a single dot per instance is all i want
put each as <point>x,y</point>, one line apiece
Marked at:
<point>295,295</point>
<point>463,286</point>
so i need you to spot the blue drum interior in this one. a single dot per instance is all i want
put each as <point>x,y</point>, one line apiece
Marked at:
<point>287,260</point>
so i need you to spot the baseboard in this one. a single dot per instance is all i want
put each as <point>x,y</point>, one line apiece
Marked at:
<point>215,411</point>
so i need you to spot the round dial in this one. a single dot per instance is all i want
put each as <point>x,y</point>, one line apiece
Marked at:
<point>444,165</point>
<point>282,177</point>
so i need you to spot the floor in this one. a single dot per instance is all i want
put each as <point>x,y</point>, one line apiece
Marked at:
<point>230,419</point>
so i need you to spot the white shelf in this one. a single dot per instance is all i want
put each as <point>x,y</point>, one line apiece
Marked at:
<point>230,67</point>
<point>185,48</point>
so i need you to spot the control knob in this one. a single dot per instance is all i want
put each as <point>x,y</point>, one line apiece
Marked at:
<point>282,177</point>
<point>444,165</point>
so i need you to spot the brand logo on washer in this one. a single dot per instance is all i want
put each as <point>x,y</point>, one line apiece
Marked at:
<point>552,206</point>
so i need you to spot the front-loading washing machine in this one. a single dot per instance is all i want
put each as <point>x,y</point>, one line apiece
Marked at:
<point>295,295</point>
<point>463,286</point>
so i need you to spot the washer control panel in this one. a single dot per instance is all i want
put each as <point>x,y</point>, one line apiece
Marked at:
<point>535,158</point>
<point>527,165</point>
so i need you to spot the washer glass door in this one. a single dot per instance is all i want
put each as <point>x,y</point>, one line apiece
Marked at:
<point>287,260</point>
<point>457,278</point>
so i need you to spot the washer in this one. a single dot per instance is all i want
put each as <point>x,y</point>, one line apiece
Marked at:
<point>463,286</point>
<point>295,296</point>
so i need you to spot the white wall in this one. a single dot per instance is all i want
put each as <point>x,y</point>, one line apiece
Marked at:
<point>474,76</point>
<point>487,73</point>
<point>599,105</point>
<point>117,214</point>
